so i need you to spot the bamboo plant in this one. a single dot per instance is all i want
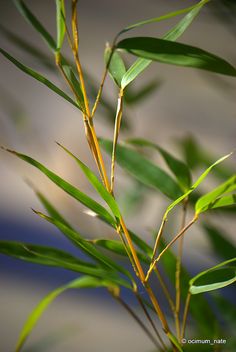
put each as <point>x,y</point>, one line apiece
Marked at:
<point>166,331</point>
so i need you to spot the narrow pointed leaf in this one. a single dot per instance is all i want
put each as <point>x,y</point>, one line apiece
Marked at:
<point>68,188</point>
<point>30,18</point>
<point>88,248</point>
<point>214,278</point>
<point>143,93</point>
<point>83,282</point>
<point>225,201</point>
<point>164,17</point>
<point>143,170</point>
<point>60,10</point>
<point>116,66</point>
<point>195,185</point>
<point>50,256</point>
<point>76,85</point>
<point>109,199</point>
<point>212,199</point>
<point>141,64</point>
<point>38,77</point>
<point>169,52</point>
<point>179,168</point>
<point>220,243</point>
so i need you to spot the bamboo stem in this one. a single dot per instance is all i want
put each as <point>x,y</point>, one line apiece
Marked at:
<point>186,309</point>
<point>158,237</point>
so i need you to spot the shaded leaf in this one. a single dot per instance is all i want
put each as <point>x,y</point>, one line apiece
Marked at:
<point>83,282</point>
<point>179,169</point>
<point>143,170</point>
<point>144,92</point>
<point>109,199</point>
<point>30,18</point>
<point>38,77</point>
<point>75,84</point>
<point>60,11</point>
<point>68,188</point>
<point>219,242</point>
<point>116,66</point>
<point>212,199</point>
<point>169,52</point>
<point>218,276</point>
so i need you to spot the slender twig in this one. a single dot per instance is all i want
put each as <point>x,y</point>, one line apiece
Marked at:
<point>165,290</point>
<point>116,135</point>
<point>152,265</point>
<point>150,320</point>
<point>160,232</point>
<point>138,320</point>
<point>186,309</point>
<point>178,268</point>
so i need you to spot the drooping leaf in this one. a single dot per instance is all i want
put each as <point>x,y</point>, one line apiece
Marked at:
<point>164,17</point>
<point>179,168</point>
<point>75,84</point>
<point>109,199</point>
<point>30,18</point>
<point>198,303</point>
<point>213,199</point>
<point>49,256</point>
<point>179,54</point>
<point>218,276</point>
<point>141,64</point>
<point>220,242</point>
<point>38,77</point>
<point>116,66</point>
<point>61,28</point>
<point>87,247</point>
<point>143,170</point>
<point>118,248</point>
<point>83,282</point>
<point>68,188</point>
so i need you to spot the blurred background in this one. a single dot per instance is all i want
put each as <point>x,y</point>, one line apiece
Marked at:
<point>182,102</point>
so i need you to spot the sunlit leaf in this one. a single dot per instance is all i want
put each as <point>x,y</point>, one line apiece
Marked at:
<point>213,199</point>
<point>109,199</point>
<point>179,168</point>
<point>143,170</point>
<point>68,188</point>
<point>218,276</point>
<point>30,18</point>
<point>179,54</point>
<point>38,77</point>
<point>83,282</point>
<point>141,64</point>
<point>60,11</point>
<point>116,65</point>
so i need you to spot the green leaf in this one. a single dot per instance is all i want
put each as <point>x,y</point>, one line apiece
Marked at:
<point>118,248</point>
<point>75,84</point>
<point>83,282</point>
<point>87,247</point>
<point>218,276</point>
<point>141,64</point>
<point>109,199</point>
<point>219,242</point>
<point>175,341</point>
<point>68,188</point>
<point>116,66</point>
<point>164,17</point>
<point>51,257</point>
<point>38,77</point>
<point>198,303</point>
<point>195,185</point>
<point>144,92</point>
<point>30,18</point>
<point>212,199</point>
<point>143,170</point>
<point>61,28</point>
<point>169,52</point>
<point>179,169</point>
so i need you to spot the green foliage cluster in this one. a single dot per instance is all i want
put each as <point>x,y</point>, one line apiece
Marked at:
<point>99,269</point>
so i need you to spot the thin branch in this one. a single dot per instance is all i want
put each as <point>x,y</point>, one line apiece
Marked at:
<point>160,232</point>
<point>186,309</point>
<point>152,265</point>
